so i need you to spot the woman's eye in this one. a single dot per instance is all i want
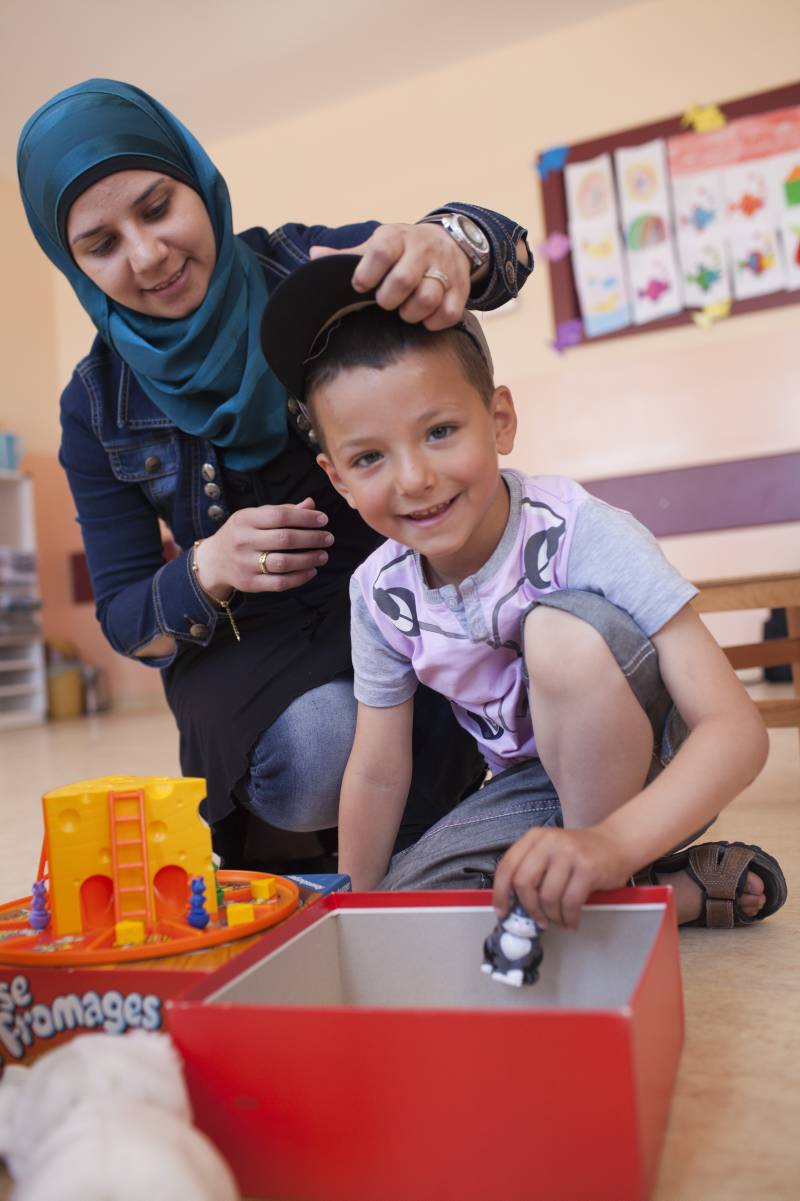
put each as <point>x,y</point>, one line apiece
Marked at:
<point>102,247</point>
<point>367,459</point>
<point>158,210</point>
<point>440,431</point>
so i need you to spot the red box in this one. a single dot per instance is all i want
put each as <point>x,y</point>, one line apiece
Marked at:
<point>359,1054</point>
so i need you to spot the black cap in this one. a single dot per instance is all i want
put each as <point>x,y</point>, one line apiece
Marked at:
<point>307,303</point>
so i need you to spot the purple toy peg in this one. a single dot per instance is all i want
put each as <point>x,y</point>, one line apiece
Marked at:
<point>39,916</point>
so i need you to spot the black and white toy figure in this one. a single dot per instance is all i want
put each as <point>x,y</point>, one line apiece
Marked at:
<point>512,952</point>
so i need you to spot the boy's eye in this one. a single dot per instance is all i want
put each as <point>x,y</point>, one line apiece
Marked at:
<point>440,431</point>
<point>367,458</point>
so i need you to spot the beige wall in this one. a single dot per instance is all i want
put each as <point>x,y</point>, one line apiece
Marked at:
<point>472,132</point>
<point>27,331</point>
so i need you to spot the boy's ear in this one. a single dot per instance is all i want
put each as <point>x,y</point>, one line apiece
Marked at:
<point>504,419</point>
<point>333,475</point>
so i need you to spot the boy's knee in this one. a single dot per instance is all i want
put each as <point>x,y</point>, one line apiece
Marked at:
<point>563,651</point>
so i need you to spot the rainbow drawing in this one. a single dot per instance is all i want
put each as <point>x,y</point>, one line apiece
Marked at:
<point>648,230</point>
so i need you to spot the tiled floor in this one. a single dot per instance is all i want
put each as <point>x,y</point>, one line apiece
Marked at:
<point>736,1115</point>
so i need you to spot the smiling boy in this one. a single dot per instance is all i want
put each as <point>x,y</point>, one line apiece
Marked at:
<point>552,622</point>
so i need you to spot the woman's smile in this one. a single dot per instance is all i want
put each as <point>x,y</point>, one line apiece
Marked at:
<point>173,283</point>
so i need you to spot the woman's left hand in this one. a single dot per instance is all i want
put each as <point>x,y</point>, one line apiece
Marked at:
<point>395,259</point>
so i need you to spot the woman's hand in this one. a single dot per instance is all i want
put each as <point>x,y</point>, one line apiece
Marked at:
<point>395,259</point>
<point>552,872</point>
<point>290,540</point>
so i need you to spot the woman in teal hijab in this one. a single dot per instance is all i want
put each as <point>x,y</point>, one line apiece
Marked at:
<point>174,415</point>
<point>205,370</point>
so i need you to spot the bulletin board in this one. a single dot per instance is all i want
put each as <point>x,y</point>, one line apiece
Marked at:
<point>695,218</point>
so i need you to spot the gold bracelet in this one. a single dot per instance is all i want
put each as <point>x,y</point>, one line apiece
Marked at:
<point>223,604</point>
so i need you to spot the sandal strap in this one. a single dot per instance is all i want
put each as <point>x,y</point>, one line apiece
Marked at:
<point>718,870</point>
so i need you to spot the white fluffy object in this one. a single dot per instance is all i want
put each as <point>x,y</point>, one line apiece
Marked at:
<point>107,1118</point>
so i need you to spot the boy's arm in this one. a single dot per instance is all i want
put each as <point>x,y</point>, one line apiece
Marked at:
<point>725,750</point>
<point>374,792</point>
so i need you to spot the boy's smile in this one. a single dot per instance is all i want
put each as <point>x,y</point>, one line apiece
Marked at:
<point>415,449</point>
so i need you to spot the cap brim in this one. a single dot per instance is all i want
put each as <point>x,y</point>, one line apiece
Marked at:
<point>301,307</point>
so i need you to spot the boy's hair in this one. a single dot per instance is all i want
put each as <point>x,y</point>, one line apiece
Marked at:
<point>373,337</point>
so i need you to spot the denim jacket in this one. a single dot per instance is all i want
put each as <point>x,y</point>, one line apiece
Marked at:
<point>129,465</point>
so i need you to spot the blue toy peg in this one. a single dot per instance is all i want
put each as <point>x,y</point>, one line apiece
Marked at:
<point>198,914</point>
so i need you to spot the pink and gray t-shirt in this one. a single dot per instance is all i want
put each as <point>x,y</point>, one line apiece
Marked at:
<point>465,641</point>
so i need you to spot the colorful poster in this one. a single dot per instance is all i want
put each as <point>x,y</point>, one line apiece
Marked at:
<point>698,204</point>
<point>786,193</point>
<point>740,184</point>
<point>590,191</point>
<point>600,279</point>
<point>695,221</point>
<point>789,232</point>
<point>656,288</point>
<point>757,263</point>
<point>597,255</point>
<point>704,269</point>
<point>748,192</point>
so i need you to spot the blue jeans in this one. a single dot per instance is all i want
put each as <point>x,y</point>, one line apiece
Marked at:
<point>296,766</point>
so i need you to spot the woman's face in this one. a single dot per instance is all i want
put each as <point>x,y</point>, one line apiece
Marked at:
<point>146,241</point>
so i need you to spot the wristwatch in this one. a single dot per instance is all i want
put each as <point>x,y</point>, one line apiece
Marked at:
<point>467,233</point>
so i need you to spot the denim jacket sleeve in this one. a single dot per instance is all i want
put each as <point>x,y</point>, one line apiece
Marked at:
<point>289,246</point>
<point>507,274</point>
<point>138,594</point>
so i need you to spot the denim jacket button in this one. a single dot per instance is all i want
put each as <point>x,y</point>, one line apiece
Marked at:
<point>207,471</point>
<point>216,513</point>
<point>511,274</point>
<point>152,463</point>
<point>212,490</point>
<point>198,630</point>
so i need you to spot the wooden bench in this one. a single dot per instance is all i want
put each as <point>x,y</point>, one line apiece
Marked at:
<point>760,491</point>
<point>762,592</point>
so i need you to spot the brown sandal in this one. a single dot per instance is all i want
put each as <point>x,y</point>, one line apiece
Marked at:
<point>720,868</point>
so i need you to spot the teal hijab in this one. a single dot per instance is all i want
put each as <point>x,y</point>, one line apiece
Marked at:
<point>206,372</point>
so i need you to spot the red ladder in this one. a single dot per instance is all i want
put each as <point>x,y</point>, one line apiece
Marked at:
<point>129,865</point>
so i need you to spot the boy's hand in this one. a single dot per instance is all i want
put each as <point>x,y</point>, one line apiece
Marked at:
<point>553,871</point>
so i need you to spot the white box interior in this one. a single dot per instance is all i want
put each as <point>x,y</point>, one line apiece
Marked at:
<point>429,958</point>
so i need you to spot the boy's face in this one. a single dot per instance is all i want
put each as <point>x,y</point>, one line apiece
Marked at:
<point>414,448</point>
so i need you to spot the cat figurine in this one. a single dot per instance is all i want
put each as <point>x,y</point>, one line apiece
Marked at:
<point>512,952</point>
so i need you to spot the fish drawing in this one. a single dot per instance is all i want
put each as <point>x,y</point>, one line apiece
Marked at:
<point>654,290</point>
<point>757,262</point>
<point>747,204</point>
<point>700,217</point>
<point>704,277</point>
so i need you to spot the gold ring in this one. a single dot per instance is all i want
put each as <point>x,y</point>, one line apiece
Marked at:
<point>262,562</point>
<point>439,276</point>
